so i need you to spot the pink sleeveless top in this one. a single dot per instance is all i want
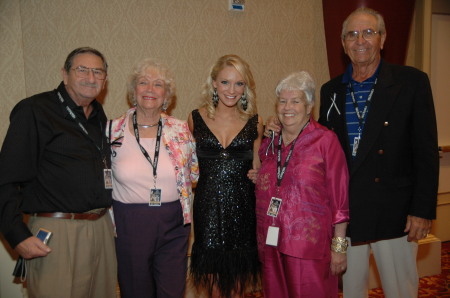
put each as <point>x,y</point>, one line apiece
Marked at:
<point>133,174</point>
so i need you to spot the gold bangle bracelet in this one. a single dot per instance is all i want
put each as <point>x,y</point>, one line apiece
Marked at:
<point>339,245</point>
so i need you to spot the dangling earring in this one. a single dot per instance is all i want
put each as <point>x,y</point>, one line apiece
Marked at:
<point>244,101</point>
<point>134,101</point>
<point>215,98</point>
<point>164,106</point>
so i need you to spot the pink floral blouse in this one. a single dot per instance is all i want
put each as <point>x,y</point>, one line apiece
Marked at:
<point>179,143</point>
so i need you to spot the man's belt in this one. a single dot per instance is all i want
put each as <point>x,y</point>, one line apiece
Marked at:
<point>90,215</point>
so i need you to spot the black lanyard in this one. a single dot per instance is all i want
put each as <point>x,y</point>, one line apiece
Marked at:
<point>282,171</point>
<point>83,129</point>
<point>361,116</point>
<point>154,164</point>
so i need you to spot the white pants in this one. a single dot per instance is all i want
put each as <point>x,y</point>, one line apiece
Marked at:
<point>396,263</point>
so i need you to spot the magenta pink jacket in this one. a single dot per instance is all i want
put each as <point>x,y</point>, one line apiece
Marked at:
<point>314,191</point>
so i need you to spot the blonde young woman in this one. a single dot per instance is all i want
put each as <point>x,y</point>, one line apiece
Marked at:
<point>228,133</point>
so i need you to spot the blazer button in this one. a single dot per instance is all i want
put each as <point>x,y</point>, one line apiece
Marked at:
<point>381,151</point>
<point>377,180</point>
<point>386,123</point>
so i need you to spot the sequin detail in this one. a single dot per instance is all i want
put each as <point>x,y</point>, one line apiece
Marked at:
<point>224,253</point>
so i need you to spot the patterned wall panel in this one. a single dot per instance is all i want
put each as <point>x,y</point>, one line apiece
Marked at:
<point>275,37</point>
<point>12,80</point>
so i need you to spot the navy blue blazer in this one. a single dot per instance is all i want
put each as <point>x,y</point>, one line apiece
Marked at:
<point>395,172</point>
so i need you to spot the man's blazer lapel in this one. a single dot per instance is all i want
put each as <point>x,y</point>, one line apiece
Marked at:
<point>385,93</point>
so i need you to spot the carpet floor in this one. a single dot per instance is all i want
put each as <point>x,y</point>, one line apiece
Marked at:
<point>429,286</point>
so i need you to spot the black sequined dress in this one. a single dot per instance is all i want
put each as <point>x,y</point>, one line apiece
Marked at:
<point>224,253</point>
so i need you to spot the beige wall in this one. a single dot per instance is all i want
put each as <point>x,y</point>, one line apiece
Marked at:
<point>275,37</point>
<point>428,50</point>
<point>12,78</point>
<point>440,74</point>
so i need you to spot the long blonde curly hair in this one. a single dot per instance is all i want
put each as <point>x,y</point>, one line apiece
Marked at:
<point>244,70</point>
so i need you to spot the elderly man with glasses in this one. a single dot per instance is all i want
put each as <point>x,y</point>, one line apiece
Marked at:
<point>54,162</point>
<point>384,117</point>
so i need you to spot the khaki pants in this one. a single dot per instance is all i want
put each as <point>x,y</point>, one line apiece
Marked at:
<point>82,262</point>
<point>396,263</point>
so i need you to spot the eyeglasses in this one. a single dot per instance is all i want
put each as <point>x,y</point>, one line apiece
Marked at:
<point>367,34</point>
<point>83,72</point>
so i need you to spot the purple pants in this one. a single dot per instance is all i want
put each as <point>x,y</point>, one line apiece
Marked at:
<point>151,247</point>
<point>286,276</point>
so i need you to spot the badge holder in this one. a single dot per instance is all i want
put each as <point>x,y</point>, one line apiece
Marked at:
<point>355,145</point>
<point>107,177</point>
<point>273,231</point>
<point>155,197</point>
<point>272,236</point>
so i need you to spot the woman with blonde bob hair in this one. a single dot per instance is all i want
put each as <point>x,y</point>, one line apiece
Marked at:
<point>140,70</point>
<point>154,165</point>
<point>228,133</point>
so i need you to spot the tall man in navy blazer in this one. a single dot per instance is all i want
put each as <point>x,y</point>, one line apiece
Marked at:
<point>384,117</point>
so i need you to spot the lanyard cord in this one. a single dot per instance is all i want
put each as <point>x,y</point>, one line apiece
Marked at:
<point>83,129</point>
<point>154,164</point>
<point>361,116</point>
<point>282,171</point>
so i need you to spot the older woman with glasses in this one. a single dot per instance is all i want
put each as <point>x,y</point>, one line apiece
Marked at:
<point>301,199</point>
<point>154,165</point>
